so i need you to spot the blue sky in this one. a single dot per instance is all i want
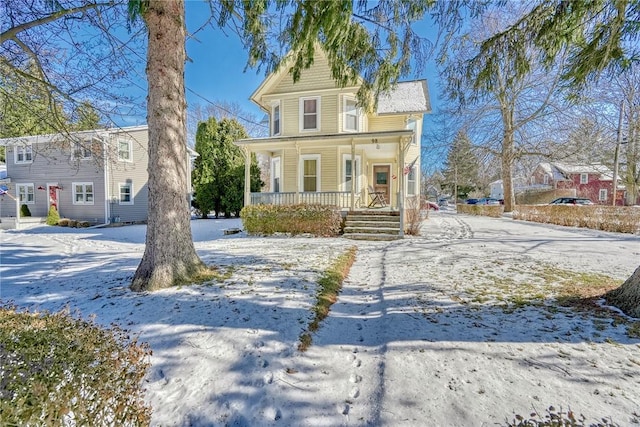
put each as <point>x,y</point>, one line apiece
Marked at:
<point>218,61</point>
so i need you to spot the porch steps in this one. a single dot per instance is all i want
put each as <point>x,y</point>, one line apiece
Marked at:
<point>372,225</point>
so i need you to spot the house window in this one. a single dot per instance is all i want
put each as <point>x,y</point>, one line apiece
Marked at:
<point>26,193</point>
<point>23,154</point>
<point>584,178</point>
<point>275,175</point>
<point>309,114</point>
<point>310,167</point>
<point>602,196</point>
<point>82,193</point>
<point>125,148</point>
<point>351,115</point>
<point>126,193</point>
<point>545,179</point>
<point>80,151</point>
<point>412,125</point>
<point>275,119</point>
<point>349,168</point>
<point>411,181</point>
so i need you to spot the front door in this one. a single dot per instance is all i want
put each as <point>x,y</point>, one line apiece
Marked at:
<point>52,189</point>
<point>381,181</point>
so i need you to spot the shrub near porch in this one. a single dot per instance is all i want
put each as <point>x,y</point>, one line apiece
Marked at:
<point>318,220</point>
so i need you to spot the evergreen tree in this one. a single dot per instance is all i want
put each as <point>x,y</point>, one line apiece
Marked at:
<point>218,175</point>
<point>461,167</point>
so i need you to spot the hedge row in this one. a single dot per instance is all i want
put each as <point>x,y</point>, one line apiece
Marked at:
<point>494,211</point>
<point>618,219</point>
<point>318,220</point>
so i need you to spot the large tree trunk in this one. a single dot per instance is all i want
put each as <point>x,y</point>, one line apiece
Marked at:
<point>507,160</point>
<point>627,296</point>
<point>169,257</point>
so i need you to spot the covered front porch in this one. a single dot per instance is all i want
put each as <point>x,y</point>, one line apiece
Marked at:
<point>343,170</point>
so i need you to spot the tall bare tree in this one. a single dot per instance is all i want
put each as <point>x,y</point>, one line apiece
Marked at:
<point>599,35</point>
<point>505,109</point>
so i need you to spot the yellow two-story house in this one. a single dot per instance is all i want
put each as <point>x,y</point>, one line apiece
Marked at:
<point>323,149</point>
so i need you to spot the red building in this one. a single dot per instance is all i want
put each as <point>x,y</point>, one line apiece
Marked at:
<point>594,182</point>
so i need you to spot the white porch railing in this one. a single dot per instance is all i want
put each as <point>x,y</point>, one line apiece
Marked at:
<point>342,199</point>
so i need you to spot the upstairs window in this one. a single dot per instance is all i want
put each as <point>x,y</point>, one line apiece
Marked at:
<point>310,114</point>
<point>545,179</point>
<point>81,151</point>
<point>23,154</point>
<point>125,150</point>
<point>275,119</point>
<point>351,115</point>
<point>584,178</point>
<point>412,125</point>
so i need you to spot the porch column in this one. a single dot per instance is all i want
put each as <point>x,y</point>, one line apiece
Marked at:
<point>297,173</point>
<point>247,175</point>
<point>353,175</point>
<point>401,186</point>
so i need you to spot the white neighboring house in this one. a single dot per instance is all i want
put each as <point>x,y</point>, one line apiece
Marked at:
<point>99,176</point>
<point>496,188</point>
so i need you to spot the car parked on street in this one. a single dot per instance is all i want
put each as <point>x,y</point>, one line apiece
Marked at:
<point>576,201</point>
<point>488,201</point>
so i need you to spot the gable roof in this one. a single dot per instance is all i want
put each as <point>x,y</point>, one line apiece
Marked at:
<point>562,171</point>
<point>33,139</point>
<point>405,97</point>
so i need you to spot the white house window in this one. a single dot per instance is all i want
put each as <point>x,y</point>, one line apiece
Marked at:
<point>275,119</point>
<point>310,167</point>
<point>351,114</point>
<point>125,150</point>
<point>81,151</point>
<point>23,154</point>
<point>602,196</point>
<point>275,175</point>
<point>126,193</point>
<point>310,114</point>
<point>349,169</point>
<point>26,193</point>
<point>411,181</point>
<point>545,179</point>
<point>412,125</point>
<point>82,193</point>
<point>584,178</point>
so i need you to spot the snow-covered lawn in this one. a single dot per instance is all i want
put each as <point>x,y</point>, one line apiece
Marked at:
<point>453,328</point>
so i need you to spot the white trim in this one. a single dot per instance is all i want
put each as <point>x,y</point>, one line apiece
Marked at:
<point>79,147</point>
<point>272,177</point>
<point>26,193</point>
<point>414,169</point>
<point>357,172</point>
<point>414,138</point>
<point>84,193</point>
<point>586,178</point>
<point>276,104</point>
<point>24,148</point>
<point>317,113</point>
<point>345,99</point>
<point>131,197</point>
<point>130,143</point>
<point>317,158</point>
<point>603,194</point>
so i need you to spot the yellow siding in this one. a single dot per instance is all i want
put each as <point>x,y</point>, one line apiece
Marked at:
<point>318,76</point>
<point>384,123</point>
<point>329,168</point>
